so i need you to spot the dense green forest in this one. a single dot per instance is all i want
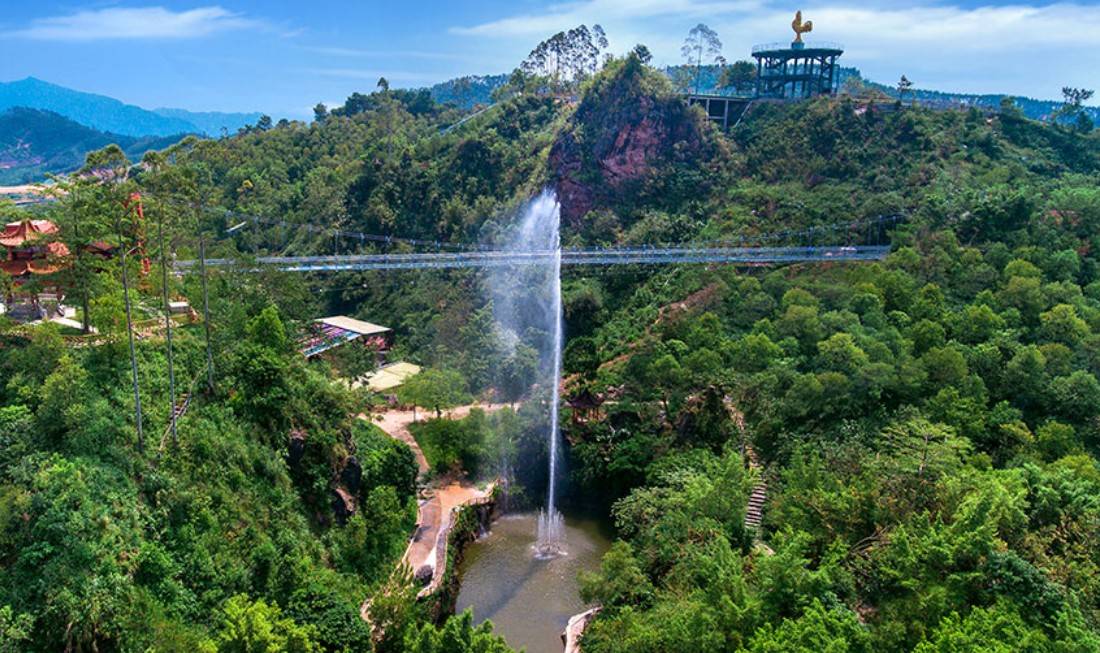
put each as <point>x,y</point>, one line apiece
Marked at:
<point>928,424</point>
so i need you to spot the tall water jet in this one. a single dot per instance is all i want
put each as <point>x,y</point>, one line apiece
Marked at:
<point>551,533</point>
<point>528,309</point>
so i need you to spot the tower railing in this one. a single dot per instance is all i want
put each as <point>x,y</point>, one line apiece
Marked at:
<point>808,45</point>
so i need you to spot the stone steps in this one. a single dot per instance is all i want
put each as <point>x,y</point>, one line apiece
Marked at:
<point>754,511</point>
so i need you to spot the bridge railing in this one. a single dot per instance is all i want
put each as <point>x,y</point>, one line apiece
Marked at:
<point>568,257</point>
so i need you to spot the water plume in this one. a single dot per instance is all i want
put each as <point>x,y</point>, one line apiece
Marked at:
<point>527,306</point>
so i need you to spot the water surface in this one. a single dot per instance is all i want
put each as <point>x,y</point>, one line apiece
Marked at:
<point>529,601</point>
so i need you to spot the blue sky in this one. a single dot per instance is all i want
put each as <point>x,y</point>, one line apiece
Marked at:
<point>283,57</point>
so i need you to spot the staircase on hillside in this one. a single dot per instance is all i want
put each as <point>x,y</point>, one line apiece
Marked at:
<point>178,411</point>
<point>181,406</point>
<point>754,513</point>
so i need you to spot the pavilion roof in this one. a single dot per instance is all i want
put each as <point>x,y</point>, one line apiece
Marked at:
<point>17,234</point>
<point>334,331</point>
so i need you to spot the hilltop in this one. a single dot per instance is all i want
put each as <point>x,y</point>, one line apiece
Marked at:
<point>471,91</point>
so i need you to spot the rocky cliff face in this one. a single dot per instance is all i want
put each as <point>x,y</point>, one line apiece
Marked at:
<point>629,130</point>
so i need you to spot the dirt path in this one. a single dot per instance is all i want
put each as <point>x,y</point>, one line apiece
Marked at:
<point>396,424</point>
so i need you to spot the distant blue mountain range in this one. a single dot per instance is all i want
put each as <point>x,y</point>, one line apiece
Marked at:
<point>110,115</point>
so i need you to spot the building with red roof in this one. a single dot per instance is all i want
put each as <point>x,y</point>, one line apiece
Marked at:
<point>30,250</point>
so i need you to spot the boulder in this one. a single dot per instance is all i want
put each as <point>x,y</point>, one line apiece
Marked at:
<point>343,504</point>
<point>296,447</point>
<point>351,475</point>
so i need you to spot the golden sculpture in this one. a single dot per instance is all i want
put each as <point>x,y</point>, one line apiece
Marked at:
<point>801,28</point>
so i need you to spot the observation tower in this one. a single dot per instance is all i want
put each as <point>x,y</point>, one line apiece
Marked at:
<point>800,70</point>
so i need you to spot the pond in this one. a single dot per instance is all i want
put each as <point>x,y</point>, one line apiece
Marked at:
<point>528,600</point>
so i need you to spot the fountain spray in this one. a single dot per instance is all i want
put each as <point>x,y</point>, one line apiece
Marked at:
<point>529,297</point>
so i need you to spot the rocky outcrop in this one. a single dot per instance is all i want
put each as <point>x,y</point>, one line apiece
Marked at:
<point>628,131</point>
<point>343,504</point>
<point>351,475</point>
<point>626,161</point>
<point>296,447</point>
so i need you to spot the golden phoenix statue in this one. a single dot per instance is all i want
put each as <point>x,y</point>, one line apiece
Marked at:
<point>799,27</point>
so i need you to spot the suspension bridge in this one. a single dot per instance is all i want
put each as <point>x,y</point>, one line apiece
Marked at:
<point>569,257</point>
<point>484,256</point>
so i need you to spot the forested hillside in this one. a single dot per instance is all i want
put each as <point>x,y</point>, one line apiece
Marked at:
<point>927,425</point>
<point>35,143</point>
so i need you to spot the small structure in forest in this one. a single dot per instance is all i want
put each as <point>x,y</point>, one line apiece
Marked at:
<point>585,405</point>
<point>330,332</point>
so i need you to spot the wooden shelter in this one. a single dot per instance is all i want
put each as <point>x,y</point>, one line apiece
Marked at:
<point>585,405</point>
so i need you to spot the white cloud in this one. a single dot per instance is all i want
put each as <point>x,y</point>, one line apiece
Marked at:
<point>1007,28</point>
<point>354,53</point>
<point>134,23</point>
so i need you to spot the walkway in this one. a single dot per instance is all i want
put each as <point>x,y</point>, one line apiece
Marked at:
<point>428,546</point>
<point>754,512</point>
<point>574,630</point>
<point>567,257</point>
<point>758,497</point>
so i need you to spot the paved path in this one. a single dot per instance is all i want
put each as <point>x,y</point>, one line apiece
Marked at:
<point>71,323</point>
<point>436,517</point>
<point>428,545</point>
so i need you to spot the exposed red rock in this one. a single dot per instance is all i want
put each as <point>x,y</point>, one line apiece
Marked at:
<point>622,140</point>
